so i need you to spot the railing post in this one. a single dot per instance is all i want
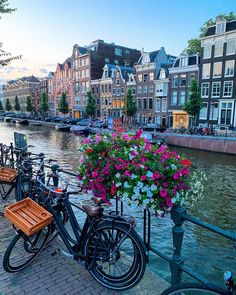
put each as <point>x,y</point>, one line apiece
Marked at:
<point>178,234</point>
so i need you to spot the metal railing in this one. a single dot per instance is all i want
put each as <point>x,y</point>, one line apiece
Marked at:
<point>179,215</point>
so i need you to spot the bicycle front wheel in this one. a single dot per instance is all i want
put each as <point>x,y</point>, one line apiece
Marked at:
<point>24,249</point>
<point>194,289</point>
<point>115,256</point>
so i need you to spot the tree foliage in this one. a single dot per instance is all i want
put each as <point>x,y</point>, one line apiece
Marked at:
<point>1,106</point>
<point>90,109</point>
<point>8,106</point>
<point>29,105</point>
<point>63,105</point>
<point>131,105</point>
<point>194,45</point>
<point>43,104</point>
<point>193,104</point>
<point>17,104</point>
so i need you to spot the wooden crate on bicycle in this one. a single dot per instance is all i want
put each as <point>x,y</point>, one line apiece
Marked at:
<point>28,216</point>
<point>7,174</point>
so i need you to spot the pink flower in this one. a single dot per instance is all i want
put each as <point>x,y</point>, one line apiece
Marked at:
<point>165,184</point>
<point>163,192</point>
<point>176,176</point>
<point>86,140</point>
<point>148,147</point>
<point>98,138</point>
<point>156,175</point>
<point>94,174</point>
<point>125,137</point>
<point>127,173</point>
<point>143,177</point>
<point>143,160</point>
<point>118,167</point>
<point>114,135</point>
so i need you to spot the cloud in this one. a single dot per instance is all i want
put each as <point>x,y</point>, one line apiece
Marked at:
<point>43,71</point>
<point>9,70</point>
<point>51,65</point>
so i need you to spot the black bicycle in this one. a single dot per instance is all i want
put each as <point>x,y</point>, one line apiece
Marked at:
<point>107,243</point>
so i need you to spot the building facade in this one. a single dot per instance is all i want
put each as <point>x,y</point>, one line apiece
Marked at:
<point>184,69</point>
<point>147,70</point>
<point>218,75</point>
<point>88,63</point>
<point>23,87</point>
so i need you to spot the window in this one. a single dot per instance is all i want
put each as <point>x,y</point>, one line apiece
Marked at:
<point>182,98</point>
<point>116,62</point>
<point>184,61</point>
<point>205,90</point>
<point>203,112</point>
<point>164,105</point>
<point>139,104</point>
<point>118,51</point>
<point>117,91</point>
<point>228,88</point>
<point>133,91</point>
<point>150,88</point>
<point>140,77</point>
<point>140,89</point>
<point>113,91</point>
<point>150,103</point>
<point>117,82</point>
<point>226,113</point>
<point>175,81</point>
<point>231,45</point>
<point>164,89</point>
<point>109,87</point>
<point>87,72</point>
<point>144,103</point>
<point>174,98</point>
<point>207,51</point>
<point>158,105</point>
<point>213,111</point>
<point>151,76</point>
<point>206,68</point>
<point>190,78</point>
<point>215,89</point>
<point>145,77</point>
<point>122,90</point>
<point>217,69</point>
<point>218,48</point>
<point>127,51</point>
<point>145,89</point>
<point>183,80</point>
<point>102,88</point>
<point>229,68</point>
<point>105,87</point>
<point>220,27</point>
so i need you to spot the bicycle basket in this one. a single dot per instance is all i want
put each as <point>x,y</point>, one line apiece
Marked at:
<point>28,216</point>
<point>7,174</point>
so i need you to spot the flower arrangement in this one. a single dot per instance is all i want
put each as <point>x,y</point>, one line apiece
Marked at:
<point>129,167</point>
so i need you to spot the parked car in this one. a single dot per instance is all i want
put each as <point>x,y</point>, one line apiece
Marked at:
<point>152,127</point>
<point>85,122</point>
<point>73,121</point>
<point>99,124</point>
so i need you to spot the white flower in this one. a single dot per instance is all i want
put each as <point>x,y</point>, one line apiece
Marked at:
<point>125,195</point>
<point>144,189</point>
<point>149,194</point>
<point>118,184</point>
<point>133,176</point>
<point>173,200</point>
<point>117,175</point>
<point>126,185</point>
<point>149,174</point>
<point>173,166</point>
<point>145,202</point>
<point>136,190</point>
<point>131,157</point>
<point>153,187</point>
<point>140,184</point>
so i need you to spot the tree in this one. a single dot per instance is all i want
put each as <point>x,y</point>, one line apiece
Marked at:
<point>193,104</point>
<point>29,105</point>
<point>8,106</point>
<point>194,45</point>
<point>90,109</point>
<point>43,104</point>
<point>17,104</point>
<point>63,105</point>
<point>130,104</point>
<point>5,57</point>
<point>1,106</point>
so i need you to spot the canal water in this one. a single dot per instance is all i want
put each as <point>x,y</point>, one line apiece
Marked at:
<point>206,253</point>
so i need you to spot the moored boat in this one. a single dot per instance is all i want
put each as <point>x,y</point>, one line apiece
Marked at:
<point>22,121</point>
<point>81,130</point>
<point>62,127</point>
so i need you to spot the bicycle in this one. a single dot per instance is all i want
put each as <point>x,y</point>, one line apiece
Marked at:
<point>107,243</point>
<point>197,288</point>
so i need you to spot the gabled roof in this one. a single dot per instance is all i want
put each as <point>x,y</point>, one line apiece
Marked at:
<point>165,68</point>
<point>230,26</point>
<point>191,60</point>
<point>153,55</point>
<point>124,71</point>
<point>30,79</point>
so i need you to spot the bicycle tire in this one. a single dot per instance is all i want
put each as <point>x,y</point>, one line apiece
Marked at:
<point>15,256</point>
<point>194,289</point>
<point>102,266</point>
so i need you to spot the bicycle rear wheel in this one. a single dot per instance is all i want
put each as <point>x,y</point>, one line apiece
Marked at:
<point>115,256</point>
<point>194,289</point>
<point>24,249</point>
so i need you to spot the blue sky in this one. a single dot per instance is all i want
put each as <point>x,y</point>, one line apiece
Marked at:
<point>44,31</point>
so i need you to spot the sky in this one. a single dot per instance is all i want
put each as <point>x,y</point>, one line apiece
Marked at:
<point>44,31</point>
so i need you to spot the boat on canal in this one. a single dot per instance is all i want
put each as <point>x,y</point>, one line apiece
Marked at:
<point>81,130</point>
<point>22,122</point>
<point>62,127</point>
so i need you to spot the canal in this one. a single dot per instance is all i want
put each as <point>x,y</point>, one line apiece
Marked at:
<point>208,254</point>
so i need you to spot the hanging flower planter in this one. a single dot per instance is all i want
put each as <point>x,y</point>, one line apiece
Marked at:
<point>129,167</point>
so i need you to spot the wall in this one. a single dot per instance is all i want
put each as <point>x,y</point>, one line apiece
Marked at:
<point>208,143</point>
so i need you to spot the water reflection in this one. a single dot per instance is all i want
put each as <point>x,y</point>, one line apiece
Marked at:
<point>206,252</point>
